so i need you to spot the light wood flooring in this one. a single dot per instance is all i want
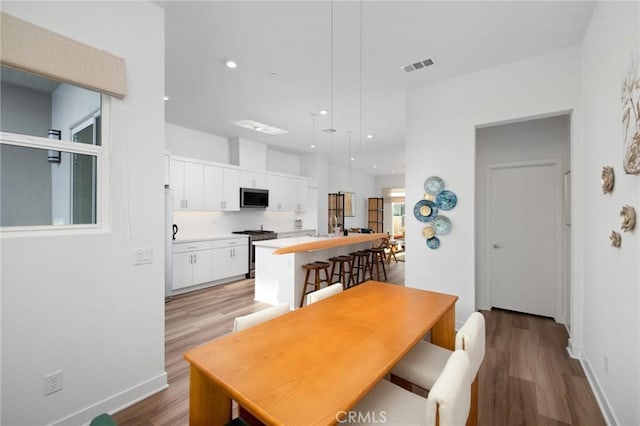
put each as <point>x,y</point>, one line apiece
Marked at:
<point>526,377</point>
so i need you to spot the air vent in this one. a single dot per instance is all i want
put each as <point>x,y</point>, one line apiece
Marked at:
<point>417,65</point>
<point>329,130</point>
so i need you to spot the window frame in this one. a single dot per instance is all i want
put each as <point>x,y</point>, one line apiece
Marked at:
<point>101,154</point>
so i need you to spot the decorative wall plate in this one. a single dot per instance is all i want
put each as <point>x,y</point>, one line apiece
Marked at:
<point>425,210</point>
<point>615,238</point>
<point>429,197</point>
<point>607,179</point>
<point>433,243</point>
<point>442,225</point>
<point>628,218</point>
<point>631,114</point>
<point>434,185</point>
<point>428,232</point>
<point>446,200</point>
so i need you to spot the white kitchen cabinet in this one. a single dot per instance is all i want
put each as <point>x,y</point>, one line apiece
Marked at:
<point>253,179</point>
<point>192,263</point>
<point>278,193</point>
<point>230,258</point>
<point>187,182</point>
<point>287,193</point>
<point>221,191</point>
<point>299,193</point>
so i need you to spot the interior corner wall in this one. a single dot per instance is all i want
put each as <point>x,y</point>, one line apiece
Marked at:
<point>440,141</point>
<point>194,144</point>
<point>74,301</point>
<point>611,275</point>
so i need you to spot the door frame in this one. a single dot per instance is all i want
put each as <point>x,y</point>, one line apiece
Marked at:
<point>557,234</point>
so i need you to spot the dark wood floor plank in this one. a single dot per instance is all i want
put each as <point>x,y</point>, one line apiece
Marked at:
<point>520,394</point>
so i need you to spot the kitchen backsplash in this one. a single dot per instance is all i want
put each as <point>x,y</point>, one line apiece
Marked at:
<point>196,224</point>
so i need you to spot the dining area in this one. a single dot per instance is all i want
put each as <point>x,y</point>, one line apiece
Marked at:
<point>329,362</point>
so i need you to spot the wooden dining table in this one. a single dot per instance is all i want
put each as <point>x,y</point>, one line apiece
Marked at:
<point>312,365</point>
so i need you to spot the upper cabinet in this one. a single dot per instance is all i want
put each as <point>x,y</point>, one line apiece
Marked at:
<point>187,182</point>
<point>287,193</point>
<point>253,179</point>
<point>205,186</point>
<point>221,188</point>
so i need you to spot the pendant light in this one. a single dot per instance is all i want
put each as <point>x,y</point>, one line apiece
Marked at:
<point>313,129</point>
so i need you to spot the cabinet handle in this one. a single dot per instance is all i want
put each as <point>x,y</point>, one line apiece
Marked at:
<point>190,259</point>
<point>195,258</point>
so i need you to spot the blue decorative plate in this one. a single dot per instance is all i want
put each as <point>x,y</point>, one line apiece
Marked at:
<point>425,210</point>
<point>433,243</point>
<point>446,200</point>
<point>442,225</point>
<point>434,185</point>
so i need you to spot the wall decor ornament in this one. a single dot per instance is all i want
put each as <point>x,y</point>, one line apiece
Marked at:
<point>615,238</point>
<point>627,218</point>
<point>427,210</point>
<point>607,179</point>
<point>630,100</point>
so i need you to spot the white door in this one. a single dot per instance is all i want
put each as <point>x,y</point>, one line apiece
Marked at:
<point>524,232</point>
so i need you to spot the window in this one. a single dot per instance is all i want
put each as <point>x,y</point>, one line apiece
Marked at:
<point>51,153</point>
<point>398,220</point>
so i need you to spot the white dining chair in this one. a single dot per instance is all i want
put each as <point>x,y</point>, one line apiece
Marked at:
<point>447,404</point>
<point>246,321</point>
<point>425,361</point>
<point>323,293</point>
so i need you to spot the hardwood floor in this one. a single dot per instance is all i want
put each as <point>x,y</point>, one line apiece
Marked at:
<point>526,378</point>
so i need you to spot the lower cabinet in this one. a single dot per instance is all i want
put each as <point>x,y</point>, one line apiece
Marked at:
<point>230,258</point>
<point>207,261</point>
<point>192,263</point>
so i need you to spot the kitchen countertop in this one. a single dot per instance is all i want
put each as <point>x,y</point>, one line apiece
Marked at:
<point>208,238</point>
<point>303,244</point>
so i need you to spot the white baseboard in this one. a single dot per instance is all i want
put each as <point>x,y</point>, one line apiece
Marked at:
<point>116,402</point>
<point>574,351</point>
<point>601,398</point>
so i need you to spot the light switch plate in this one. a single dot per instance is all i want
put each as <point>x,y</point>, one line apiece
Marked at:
<point>143,256</point>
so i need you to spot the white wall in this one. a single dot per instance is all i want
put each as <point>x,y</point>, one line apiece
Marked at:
<point>611,276</point>
<point>192,143</point>
<point>541,139</point>
<point>282,162</point>
<point>76,302</point>
<point>441,123</point>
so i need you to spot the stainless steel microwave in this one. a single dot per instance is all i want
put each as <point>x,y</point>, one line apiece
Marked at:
<point>254,198</point>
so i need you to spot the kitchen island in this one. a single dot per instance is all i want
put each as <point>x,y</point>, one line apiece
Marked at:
<point>279,274</point>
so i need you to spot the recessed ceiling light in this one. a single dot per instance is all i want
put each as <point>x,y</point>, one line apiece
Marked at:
<point>353,159</point>
<point>324,112</point>
<point>375,167</point>
<point>369,136</point>
<point>259,127</point>
<point>166,98</point>
<point>231,64</point>
<point>312,146</point>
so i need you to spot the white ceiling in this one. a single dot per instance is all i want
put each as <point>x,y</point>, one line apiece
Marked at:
<point>293,40</point>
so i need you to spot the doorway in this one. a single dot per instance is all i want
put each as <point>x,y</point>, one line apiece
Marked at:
<point>520,221</point>
<point>523,228</point>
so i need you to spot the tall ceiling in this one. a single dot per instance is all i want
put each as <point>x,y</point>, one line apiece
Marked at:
<point>298,57</point>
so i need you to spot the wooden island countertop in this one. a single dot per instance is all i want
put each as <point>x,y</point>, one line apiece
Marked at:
<point>321,243</point>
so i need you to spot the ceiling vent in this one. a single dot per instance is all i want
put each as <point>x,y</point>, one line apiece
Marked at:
<point>417,65</point>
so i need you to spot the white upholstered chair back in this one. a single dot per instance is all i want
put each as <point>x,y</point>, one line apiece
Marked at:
<point>471,339</point>
<point>450,397</point>
<point>246,321</point>
<point>323,293</point>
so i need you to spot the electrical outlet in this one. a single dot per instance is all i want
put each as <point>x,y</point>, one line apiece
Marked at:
<point>52,382</point>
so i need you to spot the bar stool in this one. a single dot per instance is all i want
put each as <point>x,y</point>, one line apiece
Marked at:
<point>345,266</point>
<point>378,259</point>
<point>316,267</point>
<point>360,266</point>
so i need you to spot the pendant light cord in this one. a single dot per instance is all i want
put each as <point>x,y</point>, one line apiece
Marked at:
<point>331,74</point>
<point>361,37</point>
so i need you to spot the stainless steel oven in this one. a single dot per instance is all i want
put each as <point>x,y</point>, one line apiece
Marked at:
<point>255,235</point>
